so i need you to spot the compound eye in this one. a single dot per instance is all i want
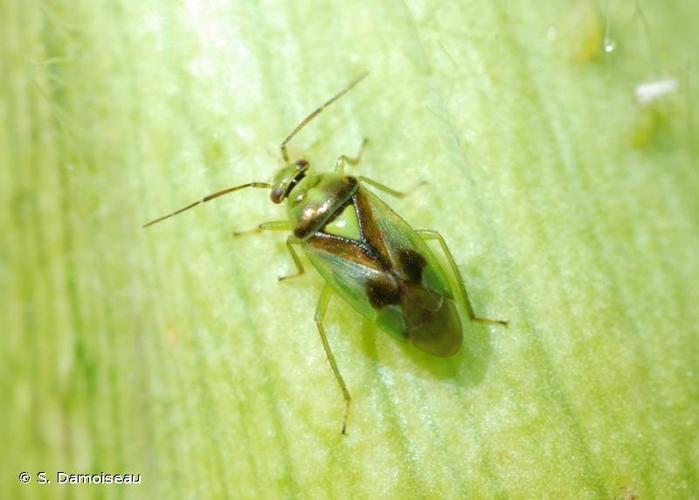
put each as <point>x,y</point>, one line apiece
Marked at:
<point>301,164</point>
<point>277,195</point>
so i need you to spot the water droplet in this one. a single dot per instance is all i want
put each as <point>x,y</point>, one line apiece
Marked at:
<point>609,45</point>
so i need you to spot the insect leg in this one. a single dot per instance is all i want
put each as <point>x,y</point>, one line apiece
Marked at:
<point>323,301</point>
<point>428,234</point>
<point>299,267</point>
<point>386,189</point>
<point>344,159</point>
<point>276,225</point>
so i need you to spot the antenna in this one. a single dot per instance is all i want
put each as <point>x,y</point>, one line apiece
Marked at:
<point>210,197</point>
<point>285,155</point>
<point>315,113</point>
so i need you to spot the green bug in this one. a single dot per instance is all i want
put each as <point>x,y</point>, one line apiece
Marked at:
<point>366,253</point>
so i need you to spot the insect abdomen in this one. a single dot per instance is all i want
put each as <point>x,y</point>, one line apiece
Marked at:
<point>434,328</point>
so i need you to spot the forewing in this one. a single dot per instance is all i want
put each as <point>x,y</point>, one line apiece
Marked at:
<point>390,277</point>
<point>343,265</point>
<point>405,249</point>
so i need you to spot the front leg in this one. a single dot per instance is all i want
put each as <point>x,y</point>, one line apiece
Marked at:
<point>343,160</point>
<point>276,225</point>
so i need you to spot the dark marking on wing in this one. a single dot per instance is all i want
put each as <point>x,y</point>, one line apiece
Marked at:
<point>350,250</point>
<point>412,263</point>
<point>382,292</point>
<point>371,232</point>
<point>400,280</point>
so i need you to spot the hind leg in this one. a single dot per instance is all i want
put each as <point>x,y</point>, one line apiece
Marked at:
<point>428,234</point>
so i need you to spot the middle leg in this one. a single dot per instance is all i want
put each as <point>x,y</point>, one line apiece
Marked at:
<point>388,190</point>
<point>279,225</point>
<point>290,241</point>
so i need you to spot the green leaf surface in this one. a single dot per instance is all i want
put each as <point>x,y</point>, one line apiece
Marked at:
<point>572,210</point>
